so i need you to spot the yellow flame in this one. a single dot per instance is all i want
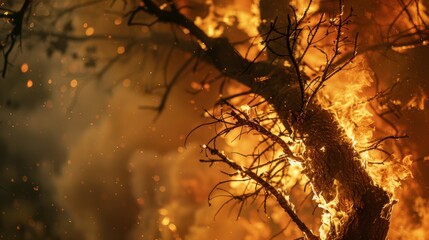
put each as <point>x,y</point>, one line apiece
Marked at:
<point>222,17</point>
<point>345,99</point>
<point>418,100</point>
<point>210,24</point>
<point>331,217</point>
<point>301,7</point>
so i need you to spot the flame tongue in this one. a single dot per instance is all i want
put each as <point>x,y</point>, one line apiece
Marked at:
<point>344,98</point>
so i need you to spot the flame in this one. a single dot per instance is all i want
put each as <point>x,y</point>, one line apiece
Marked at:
<point>345,98</point>
<point>351,110</point>
<point>302,6</point>
<point>210,24</point>
<point>348,105</point>
<point>331,217</point>
<point>417,101</point>
<point>405,48</point>
<point>221,18</point>
<point>412,225</point>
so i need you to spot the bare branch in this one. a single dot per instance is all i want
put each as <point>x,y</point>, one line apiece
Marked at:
<point>17,21</point>
<point>169,87</point>
<point>284,203</point>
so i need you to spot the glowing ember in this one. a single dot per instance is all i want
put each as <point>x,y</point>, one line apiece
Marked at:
<point>118,21</point>
<point>24,68</point>
<point>73,83</point>
<point>126,82</point>
<point>120,50</point>
<point>29,83</point>
<point>89,31</point>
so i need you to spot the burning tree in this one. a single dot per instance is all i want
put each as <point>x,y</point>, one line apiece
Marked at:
<point>297,130</point>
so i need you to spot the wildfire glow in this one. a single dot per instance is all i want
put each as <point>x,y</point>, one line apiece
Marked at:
<point>221,18</point>
<point>301,7</point>
<point>331,216</point>
<point>352,112</point>
<point>418,100</point>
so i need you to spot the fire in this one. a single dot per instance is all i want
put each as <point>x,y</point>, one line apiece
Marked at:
<point>221,18</point>
<point>417,101</point>
<point>347,101</point>
<point>331,217</point>
<point>231,14</point>
<point>302,6</point>
<point>210,23</point>
<point>351,109</point>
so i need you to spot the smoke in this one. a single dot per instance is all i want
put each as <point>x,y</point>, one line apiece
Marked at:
<point>119,172</point>
<point>81,160</point>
